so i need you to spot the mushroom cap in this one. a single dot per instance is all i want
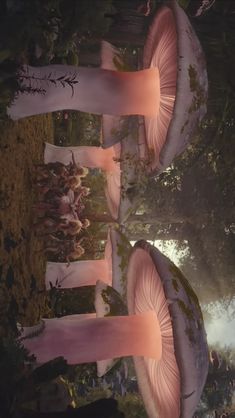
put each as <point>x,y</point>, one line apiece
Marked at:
<point>189,106</point>
<point>185,352</point>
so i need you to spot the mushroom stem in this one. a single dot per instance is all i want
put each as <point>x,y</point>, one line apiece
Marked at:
<point>90,340</point>
<point>78,273</point>
<point>91,157</point>
<point>94,90</point>
<point>81,272</point>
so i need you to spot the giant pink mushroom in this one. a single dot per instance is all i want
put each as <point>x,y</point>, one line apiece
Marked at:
<point>164,332</point>
<point>173,47</point>
<point>170,91</point>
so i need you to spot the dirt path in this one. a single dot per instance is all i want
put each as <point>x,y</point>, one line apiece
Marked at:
<point>22,263</point>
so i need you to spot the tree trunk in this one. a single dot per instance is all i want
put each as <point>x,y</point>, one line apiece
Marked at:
<point>90,58</point>
<point>221,376</point>
<point>156,231</point>
<point>158,218</point>
<point>102,217</point>
<point>129,25</point>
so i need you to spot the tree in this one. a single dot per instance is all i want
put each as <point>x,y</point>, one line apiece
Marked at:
<point>219,388</point>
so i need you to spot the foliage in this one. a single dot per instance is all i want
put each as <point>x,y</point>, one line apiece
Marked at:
<point>132,405</point>
<point>8,85</point>
<point>21,384</point>
<point>112,384</point>
<point>78,300</point>
<point>12,372</point>
<point>87,18</point>
<point>93,395</point>
<point>51,31</point>
<point>53,34</point>
<point>219,389</point>
<point>73,128</point>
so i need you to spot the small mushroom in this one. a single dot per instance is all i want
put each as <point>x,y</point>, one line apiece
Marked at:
<point>81,272</point>
<point>86,156</point>
<point>111,269</point>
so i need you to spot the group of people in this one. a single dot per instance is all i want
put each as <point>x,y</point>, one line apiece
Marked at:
<point>59,209</point>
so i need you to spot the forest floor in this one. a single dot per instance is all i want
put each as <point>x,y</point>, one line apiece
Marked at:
<point>22,261</point>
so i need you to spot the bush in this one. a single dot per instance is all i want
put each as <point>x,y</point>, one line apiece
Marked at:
<point>13,372</point>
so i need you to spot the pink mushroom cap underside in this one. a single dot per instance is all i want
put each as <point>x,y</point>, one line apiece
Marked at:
<point>190,343</point>
<point>191,84</point>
